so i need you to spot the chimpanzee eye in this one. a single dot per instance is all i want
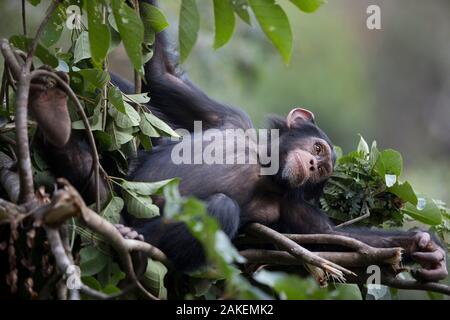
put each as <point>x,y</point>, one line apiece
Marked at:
<point>318,148</point>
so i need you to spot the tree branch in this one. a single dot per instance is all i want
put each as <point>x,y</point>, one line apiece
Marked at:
<point>296,250</point>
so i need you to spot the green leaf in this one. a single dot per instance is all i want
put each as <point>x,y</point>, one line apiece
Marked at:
<point>34,2</point>
<point>112,210</point>
<point>308,5</point>
<point>95,122</point>
<point>426,211</point>
<point>224,22</point>
<point>115,98</point>
<point>97,77</point>
<point>161,125</point>
<point>147,128</point>
<point>92,261</point>
<point>389,162</point>
<point>405,192</point>
<point>82,48</point>
<point>140,98</point>
<point>55,26</point>
<point>153,278</point>
<point>120,136</point>
<point>24,44</point>
<point>99,35</point>
<point>145,188</point>
<point>131,31</point>
<point>104,140</point>
<point>188,27</point>
<point>154,21</point>
<point>241,8</point>
<point>140,206</point>
<point>125,120</point>
<point>275,24</point>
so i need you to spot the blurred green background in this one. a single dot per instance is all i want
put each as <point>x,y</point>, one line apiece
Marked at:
<point>391,85</point>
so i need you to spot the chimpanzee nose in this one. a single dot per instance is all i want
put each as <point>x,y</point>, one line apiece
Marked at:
<point>312,164</point>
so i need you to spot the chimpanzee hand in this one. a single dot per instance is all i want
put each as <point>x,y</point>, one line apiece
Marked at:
<point>129,233</point>
<point>431,256</point>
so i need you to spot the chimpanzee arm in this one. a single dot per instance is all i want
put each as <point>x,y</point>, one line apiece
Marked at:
<point>179,102</point>
<point>74,162</point>
<point>420,246</point>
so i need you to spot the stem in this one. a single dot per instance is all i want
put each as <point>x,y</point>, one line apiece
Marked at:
<point>24,20</point>
<point>23,148</point>
<point>137,76</point>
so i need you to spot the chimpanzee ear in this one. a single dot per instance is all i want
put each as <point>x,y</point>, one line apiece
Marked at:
<point>297,115</point>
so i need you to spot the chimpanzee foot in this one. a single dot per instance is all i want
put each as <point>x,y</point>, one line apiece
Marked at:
<point>129,233</point>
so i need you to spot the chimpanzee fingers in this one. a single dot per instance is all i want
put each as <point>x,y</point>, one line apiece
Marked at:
<point>436,274</point>
<point>428,257</point>
<point>423,240</point>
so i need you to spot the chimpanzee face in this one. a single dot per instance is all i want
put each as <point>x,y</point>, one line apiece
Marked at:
<point>306,153</point>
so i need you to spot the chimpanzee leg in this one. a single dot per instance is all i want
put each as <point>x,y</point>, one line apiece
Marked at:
<point>174,238</point>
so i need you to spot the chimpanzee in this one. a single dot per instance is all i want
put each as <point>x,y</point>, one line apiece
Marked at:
<point>236,194</point>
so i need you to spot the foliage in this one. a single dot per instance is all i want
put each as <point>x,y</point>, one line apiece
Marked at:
<point>366,183</point>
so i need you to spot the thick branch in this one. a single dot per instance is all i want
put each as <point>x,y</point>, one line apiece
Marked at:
<point>390,256</point>
<point>296,250</point>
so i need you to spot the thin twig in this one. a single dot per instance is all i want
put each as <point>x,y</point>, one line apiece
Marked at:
<point>24,20</point>
<point>352,221</point>
<point>137,76</point>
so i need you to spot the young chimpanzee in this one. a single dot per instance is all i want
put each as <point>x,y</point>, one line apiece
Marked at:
<point>237,194</point>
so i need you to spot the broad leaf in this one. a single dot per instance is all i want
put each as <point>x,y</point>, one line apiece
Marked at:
<point>128,119</point>
<point>405,192</point>
<point>82,48</point>
<point>154,21</point>
<point>140,98</point>
<point>224,22</point>
<point>389,162</point>
<point>120,136</point>
<point>145,188</point>
<point>131,31</point>
<point>115,98</point>
<point>92,261</point>
<point>241,8</point>
<point>99,35</point>
<point>188,27</point>
<point>308,5</point>
<point>98,78</point>
<point>426,211</point>
<point>275,24</point>
<point>112,210</point>
<point>55,26</point>
<point>140,206</point>
<point>153,278</point>
<point>24,44</point>
<point>161,125</point>
<point>147,128</point>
